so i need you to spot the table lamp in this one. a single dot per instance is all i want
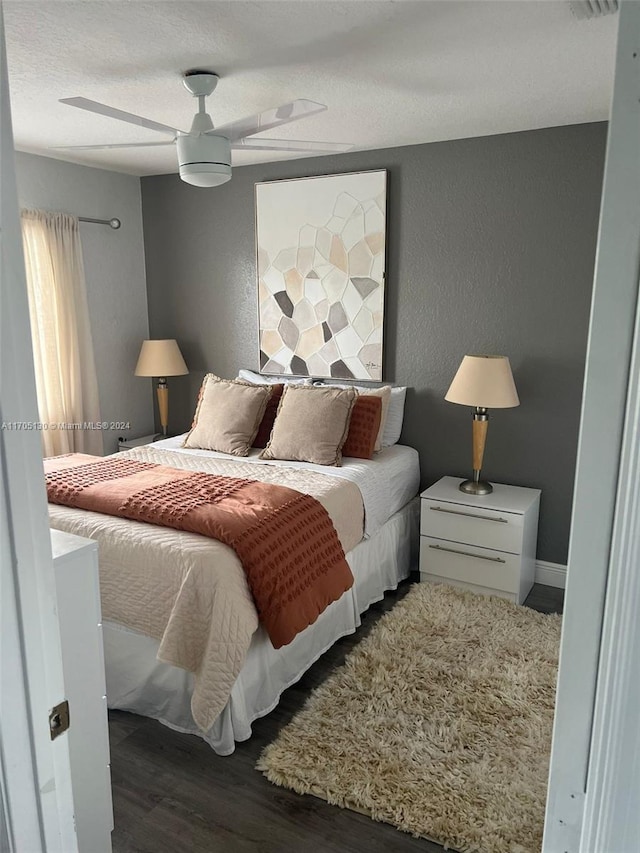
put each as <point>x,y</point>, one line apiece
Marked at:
<point>482,382</point>
<point>161,358</point>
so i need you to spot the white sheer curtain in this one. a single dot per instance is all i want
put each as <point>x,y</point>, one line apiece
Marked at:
<point>62,347</point>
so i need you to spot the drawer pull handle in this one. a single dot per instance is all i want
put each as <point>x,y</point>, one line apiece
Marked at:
<point>469,514</point>
<point>468,554</point>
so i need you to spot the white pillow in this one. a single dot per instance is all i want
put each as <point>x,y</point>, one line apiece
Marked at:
<point>395,416</point>
<point>260,379</point>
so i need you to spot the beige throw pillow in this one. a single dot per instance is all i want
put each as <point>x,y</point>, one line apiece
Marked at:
<point>228,415</point>
<point>311,425</point>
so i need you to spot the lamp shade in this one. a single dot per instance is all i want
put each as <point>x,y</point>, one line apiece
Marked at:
<point>484,381</point>
<point>160,358</point>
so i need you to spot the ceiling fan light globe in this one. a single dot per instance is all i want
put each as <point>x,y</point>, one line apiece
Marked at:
<point>204,161</point>
<point>205,174</point>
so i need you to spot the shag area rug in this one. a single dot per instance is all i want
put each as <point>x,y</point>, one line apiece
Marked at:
<point>439,723</point>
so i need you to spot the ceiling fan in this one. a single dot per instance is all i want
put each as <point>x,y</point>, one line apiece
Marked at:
<point>204,152</point>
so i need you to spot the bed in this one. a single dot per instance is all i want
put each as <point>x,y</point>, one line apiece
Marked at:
<point>139,682</point>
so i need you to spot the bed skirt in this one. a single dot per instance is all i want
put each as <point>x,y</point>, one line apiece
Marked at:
<point>138,682</point>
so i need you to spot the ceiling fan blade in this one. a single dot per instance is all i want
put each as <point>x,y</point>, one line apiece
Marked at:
<point>121,115</point>
<point>288,145</point>
<point>115,145</point>
<point>270,118</point>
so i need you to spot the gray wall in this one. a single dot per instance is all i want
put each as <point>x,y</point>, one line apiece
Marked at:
<point>491,245</point>
<point>115,275</point>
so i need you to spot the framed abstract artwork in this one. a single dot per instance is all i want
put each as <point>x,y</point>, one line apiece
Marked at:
<point>321,247</point>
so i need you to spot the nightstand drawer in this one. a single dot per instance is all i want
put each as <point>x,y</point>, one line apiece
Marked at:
<point>488,528</point>
<point>469,564</point>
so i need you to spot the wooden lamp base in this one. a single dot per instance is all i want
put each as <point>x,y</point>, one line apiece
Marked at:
<point>476,486</point>
<point>163,404</point>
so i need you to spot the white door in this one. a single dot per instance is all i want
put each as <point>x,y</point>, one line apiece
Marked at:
<point>595,764</point>
<point>36,807</point>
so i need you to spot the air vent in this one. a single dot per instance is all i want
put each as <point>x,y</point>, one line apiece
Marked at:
<point>584,9</point>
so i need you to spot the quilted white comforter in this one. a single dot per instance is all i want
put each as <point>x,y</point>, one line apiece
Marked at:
<point>189,591</point>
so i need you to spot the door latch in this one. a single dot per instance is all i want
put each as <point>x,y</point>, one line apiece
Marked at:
<point>59,719</point>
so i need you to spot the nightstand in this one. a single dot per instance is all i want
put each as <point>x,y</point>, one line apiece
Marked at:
<point>485,544</point>
<point>128,443</point>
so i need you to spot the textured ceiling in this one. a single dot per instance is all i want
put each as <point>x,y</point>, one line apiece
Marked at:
<point>391,73</point>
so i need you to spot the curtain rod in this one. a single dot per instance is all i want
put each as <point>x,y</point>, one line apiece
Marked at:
<point>113,223</point>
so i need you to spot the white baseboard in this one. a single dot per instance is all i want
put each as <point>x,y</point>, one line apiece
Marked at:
<point>551,574</point>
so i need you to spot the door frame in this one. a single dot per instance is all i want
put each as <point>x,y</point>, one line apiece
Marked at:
<point>35,773</point>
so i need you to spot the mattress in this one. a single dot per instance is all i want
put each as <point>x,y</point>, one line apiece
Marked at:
<point>387,482</point>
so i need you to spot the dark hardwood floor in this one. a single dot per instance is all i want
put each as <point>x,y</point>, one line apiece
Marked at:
<point>173,794</point>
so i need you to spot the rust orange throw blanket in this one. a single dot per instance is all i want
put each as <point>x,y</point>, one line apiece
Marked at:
<point>285,540</point>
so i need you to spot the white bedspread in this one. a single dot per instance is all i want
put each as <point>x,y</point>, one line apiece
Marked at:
<point>386,482</point>
<point>198,579</point>
<point>190,591</point>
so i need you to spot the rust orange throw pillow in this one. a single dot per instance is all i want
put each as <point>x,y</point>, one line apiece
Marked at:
<point>266,425</point>
<point>363,428</point>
